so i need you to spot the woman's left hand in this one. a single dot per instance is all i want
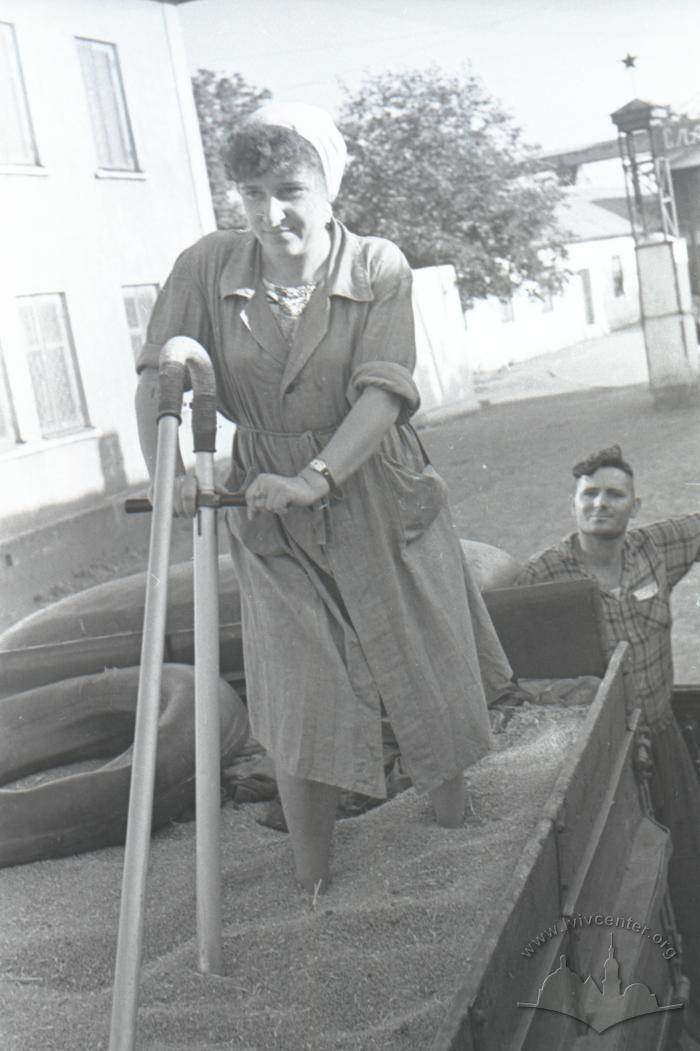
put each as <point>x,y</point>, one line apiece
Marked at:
<point>276,492</point>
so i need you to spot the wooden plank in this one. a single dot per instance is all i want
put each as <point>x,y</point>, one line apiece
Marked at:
<point>549,631</point>
<point>493,981</point>
<point>579,791</point>
<point>603,831</point>
<point>484,1012</point>
<point>638,894</point>
<point>583,787</point>
<point>603,864</point>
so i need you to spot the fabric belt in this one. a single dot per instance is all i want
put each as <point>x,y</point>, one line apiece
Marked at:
<point>288,434</point>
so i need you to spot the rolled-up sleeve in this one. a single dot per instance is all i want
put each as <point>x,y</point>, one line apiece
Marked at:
<point>678,540</point>
<point>385,356</point>
<point>180,310</point>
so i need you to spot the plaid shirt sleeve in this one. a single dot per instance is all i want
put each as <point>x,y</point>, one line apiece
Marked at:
<point>678,542</point>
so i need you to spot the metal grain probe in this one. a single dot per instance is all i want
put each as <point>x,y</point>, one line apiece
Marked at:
<point>180,356</point>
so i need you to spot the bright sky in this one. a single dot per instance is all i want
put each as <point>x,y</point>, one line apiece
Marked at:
<point>555,65</point>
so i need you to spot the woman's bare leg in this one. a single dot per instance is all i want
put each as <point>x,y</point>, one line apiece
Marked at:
<point>309,808</point>
<point>449,802</point>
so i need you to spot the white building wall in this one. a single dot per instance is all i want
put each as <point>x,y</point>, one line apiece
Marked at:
<point>442,372</point>
<point>493,342</point>
<point>67,228</point>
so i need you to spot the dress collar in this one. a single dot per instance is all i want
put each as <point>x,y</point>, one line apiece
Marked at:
<point>348,272</point>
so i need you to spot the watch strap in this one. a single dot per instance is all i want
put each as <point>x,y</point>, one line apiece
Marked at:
<point>321,467</point>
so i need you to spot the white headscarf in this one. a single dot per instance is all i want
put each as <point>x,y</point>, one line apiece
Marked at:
<point>317,127</point>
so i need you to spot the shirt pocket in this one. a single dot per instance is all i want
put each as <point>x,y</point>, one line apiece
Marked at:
<point>649,616</point>
<point>418,495</point>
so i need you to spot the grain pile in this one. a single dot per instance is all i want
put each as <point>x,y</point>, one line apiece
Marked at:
<point>372,964</point>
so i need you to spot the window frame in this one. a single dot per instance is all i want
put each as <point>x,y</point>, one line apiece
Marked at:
<point>98,125</point>
<point>7,410</point>
<point>23,112</point>
<point>142,330</point>
<point>50,430</point>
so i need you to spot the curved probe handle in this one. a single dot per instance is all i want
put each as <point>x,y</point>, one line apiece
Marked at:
<point>182,358</point>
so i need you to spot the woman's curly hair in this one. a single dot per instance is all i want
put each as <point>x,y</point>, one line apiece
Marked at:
<point>256,149</point>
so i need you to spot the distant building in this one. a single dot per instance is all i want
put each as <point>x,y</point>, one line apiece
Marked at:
<point>601,294</point>
<point>678,139</point>
<point>102,183</point>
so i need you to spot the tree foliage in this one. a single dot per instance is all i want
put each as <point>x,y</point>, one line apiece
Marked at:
<point>438,167</point>
<point>222,103</point>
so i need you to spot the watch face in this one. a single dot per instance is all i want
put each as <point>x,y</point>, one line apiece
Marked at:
<point>322,469</point>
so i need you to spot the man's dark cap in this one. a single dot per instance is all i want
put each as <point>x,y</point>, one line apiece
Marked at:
<point>610,457</point>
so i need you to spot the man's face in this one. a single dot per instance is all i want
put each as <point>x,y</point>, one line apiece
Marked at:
<point>604,502</point>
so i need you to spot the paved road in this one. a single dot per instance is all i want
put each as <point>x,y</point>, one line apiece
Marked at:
<point>617,360</point>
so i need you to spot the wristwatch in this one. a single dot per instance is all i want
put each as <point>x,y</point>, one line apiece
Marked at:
<point>321,467</point>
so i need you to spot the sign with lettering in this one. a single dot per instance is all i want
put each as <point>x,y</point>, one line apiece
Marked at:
<point>676,135</point>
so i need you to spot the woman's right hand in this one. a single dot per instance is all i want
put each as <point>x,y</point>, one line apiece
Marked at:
<point>184,495</point>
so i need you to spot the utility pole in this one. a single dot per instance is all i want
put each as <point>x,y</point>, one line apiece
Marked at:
<point>662,255</point>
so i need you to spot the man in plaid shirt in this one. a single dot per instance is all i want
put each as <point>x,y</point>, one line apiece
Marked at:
<point>636,571</point>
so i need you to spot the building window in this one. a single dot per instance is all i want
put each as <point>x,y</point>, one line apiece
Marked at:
<point>507,311</point>
<point>618,276</point>
<point>109,116</point>
<point>587,290</point>
<point>17,144</point>
<point>138,303</point>
<point>9,434</point>
<point>52,366</point>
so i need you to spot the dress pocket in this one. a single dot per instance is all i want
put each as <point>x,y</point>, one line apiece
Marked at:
<point>261,534</point>
<point>419,495</point>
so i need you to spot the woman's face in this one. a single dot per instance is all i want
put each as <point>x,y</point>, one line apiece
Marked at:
<point>288,212</point>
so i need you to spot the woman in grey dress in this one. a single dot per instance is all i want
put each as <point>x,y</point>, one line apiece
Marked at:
<point>355,598</point>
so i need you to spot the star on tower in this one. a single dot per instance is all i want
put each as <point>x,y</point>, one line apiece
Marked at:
<point>629,61</point>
